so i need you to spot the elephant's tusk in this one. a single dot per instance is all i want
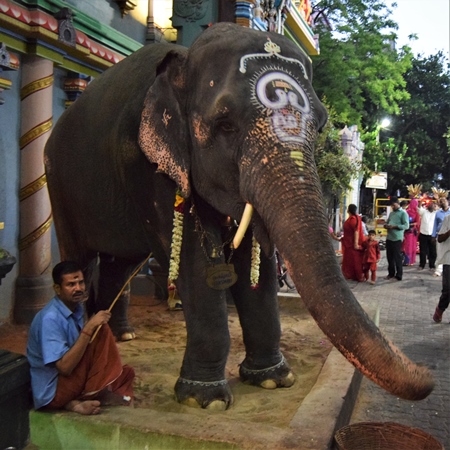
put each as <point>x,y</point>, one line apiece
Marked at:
<point>243,225</point>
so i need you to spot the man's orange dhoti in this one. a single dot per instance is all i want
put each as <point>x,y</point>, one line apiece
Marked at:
<point>100,368</point>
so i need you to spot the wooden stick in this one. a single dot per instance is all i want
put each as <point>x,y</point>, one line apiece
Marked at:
<point>120,292</point>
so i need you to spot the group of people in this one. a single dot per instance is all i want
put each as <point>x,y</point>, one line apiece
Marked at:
<point>360,253</point>
<point>407,224</point>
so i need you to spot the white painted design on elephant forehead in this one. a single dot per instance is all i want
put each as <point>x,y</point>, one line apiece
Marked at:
<point>288,103</point>
<point>166,118</point>
<point>273,51</point>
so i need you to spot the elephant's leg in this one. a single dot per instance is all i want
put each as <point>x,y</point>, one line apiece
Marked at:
<point>113,273</point>
<point>264,364</point>
<point>202,381</point>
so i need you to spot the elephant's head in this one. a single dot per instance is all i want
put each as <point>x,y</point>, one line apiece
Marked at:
<point>235,120</point>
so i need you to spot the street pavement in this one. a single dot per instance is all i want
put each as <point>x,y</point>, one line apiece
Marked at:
<point>406,310</point>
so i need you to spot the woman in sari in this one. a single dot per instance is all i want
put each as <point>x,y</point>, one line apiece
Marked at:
<point>351,246</point>
<point>411,235</point>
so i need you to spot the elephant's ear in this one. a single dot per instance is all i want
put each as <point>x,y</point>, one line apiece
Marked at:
<point>163,130</point>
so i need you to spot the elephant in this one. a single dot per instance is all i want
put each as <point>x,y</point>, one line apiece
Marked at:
<point>224,126</point>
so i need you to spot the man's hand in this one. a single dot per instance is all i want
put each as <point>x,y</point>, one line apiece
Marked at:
<point>443,237</point>
<point>69,361</point>
<point>96,320</point>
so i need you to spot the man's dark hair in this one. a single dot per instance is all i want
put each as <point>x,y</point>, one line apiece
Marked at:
<point>352,209</point>
<point>63,268</point>
<point>372,232</point>
<point>393,200</point>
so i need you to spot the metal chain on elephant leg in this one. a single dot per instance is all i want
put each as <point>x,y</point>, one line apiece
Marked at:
<point>203,383</point>
<point>279,375</point>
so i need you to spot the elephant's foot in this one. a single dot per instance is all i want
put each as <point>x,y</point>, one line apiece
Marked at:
<point>127,336</point>
<point>213,395</point>
<point>279,375</point>
<point>124,334</point>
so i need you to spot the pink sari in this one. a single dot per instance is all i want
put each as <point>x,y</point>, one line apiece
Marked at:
<point>412,235</point>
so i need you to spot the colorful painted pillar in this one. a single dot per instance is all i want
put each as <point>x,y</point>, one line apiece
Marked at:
<point>34,283</point>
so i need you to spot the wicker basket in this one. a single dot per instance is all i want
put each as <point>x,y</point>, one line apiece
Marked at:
<point>384,436</point>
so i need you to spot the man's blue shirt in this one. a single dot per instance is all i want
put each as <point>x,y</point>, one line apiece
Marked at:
<point>440,214</point>
<point>52,333</point>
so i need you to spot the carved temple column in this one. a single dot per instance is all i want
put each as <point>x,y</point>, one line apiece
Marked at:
<point>191,17</point>
<point>34,283</point>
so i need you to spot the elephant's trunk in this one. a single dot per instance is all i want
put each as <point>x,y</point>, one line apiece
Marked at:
<point>288,199</point>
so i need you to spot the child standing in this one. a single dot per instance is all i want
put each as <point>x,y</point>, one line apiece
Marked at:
<point>371,257</point>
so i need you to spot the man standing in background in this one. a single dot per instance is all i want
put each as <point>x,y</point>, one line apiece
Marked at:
<point>426,243</point>
<point>396,225</point>
<point>440,215</point>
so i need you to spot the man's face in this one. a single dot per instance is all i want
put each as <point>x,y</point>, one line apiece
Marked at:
<point>431,206</point>
<point>443,203</point>
<point>395,206</point>
<point>72,289</point>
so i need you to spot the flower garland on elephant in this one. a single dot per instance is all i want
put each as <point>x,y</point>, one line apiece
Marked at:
<point>177,240</point>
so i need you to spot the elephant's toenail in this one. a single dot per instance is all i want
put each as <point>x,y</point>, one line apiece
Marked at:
<point>127,336</point>
<point>289,380</point>
<point>192,402</point>
<point>217,405</point>
<point>269,384</point>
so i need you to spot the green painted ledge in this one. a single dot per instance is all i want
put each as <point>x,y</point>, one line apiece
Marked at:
<point>66,431</point>
<point>111,38</point>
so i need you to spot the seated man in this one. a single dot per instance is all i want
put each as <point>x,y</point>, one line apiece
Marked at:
<point>67,370</point>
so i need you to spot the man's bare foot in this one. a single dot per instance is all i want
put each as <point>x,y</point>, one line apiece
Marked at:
<point>86,407</point>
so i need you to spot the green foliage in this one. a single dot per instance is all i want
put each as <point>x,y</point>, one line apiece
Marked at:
<point>334,168</point>
<point>416,148</point>
<point>4,254</point>
<point>365,78</point>
<point>358,70</point>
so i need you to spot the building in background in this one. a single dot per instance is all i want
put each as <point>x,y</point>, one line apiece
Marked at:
<point>353,149</point>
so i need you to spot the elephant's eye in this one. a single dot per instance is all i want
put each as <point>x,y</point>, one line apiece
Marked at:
<point>225,125</point>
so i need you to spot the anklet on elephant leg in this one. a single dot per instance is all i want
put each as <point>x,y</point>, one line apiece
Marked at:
<point>203,383</point>
<point>268,369</point>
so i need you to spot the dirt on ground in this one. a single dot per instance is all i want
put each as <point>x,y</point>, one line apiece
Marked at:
<point>157,352</point>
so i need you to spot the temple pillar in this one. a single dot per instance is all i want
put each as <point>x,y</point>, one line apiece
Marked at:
<point>191,17</point>
<point>34,283</point>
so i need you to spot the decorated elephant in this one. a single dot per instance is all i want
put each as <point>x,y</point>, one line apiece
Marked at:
<point>199,135</point>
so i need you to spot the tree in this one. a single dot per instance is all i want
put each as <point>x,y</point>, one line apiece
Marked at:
<point>335,169</point>
<point>415,149</point>
<point>358,70</point>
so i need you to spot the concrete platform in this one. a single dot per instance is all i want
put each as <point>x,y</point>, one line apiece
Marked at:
<point>302,417</point>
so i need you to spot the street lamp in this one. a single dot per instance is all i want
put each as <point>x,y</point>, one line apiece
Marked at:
<point>383,124</point>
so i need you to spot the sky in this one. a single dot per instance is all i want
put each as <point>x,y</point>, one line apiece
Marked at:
<point>429,19</point>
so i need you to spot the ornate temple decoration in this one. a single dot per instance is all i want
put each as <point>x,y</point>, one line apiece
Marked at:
<point>74,86</point>
<point>126,6</point>
<point>32,237</point>
<point>33,187</point>
<point>191,10</point>
<point>66,30</point>
<point>8,61</point>
<point>46,27</point>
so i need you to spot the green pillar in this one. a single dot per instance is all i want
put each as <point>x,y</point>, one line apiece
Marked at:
<point>191,17</point>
